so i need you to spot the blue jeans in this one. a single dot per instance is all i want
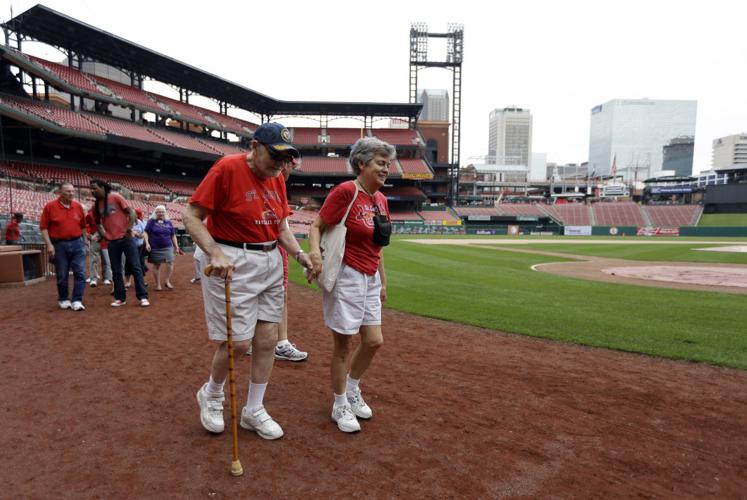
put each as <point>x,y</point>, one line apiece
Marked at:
<point>70,255</point>
<point>126,247</point>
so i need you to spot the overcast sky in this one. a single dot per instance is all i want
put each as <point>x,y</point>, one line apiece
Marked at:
<point>558,59</point>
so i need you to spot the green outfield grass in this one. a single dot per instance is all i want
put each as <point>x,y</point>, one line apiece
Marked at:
<point>496,289</point>
<point>680,253</point>
<point>723,220</point>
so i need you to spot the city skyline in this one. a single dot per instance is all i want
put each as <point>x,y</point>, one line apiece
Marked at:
<point>571,57</point>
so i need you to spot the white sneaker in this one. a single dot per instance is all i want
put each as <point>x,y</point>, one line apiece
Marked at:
<point>144,303</point>
<point>88,280</point>
<point>78,306</point>
<point>64,304</point>
<point>359,407</point>
<point>290,353</point>
<point>345,418</point>
<point>93,283</point>
<point>211,410</point>
<point>118,303</point>
<point>107,282</point>
<point>260,422</point>
<point>196,279</point>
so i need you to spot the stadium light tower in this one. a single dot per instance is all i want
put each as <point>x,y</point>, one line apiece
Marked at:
<point>419,37</point>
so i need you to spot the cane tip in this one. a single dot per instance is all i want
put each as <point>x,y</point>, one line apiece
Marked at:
<point>236,469</point>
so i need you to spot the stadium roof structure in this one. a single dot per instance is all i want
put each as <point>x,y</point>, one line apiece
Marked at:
<point>48,26</point>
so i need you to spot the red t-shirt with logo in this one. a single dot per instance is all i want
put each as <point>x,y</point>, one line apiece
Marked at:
<point>12,231</point>
<point>63,223</point>
<point>117,221</point>
<point>242,207</point>
<point>361,253</point>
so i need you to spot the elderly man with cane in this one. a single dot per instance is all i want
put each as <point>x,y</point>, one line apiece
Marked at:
<point>244,199</point>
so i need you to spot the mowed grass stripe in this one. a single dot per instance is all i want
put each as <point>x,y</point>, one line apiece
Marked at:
<point>497,290</point>
<point>664,252</point>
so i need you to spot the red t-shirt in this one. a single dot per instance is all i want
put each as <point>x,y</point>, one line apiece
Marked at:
<point>361,252</point>
<point>12,231</point>
<point>61,222</point>
<point>117,221</point>
<point>242,207</point>
<point>93,229</point>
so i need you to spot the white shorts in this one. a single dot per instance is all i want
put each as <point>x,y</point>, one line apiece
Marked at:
<point>256,292</point>
<point>355,301</point>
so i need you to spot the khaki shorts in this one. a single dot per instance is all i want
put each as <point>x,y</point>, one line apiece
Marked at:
<point>256,292</point>
<point>355,301</point>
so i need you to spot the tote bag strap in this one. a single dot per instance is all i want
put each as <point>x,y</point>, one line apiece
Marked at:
<point>345,217</point>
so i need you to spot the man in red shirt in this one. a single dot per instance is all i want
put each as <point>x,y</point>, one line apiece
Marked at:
<point>62,223</point>
<point>114,219</point>
<point>243,197</point>
<point>13,230</point>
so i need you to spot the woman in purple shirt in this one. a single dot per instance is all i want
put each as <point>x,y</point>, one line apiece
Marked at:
<point>160,241</point>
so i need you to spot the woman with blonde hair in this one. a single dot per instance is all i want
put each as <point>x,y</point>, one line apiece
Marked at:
<point>160,241</point>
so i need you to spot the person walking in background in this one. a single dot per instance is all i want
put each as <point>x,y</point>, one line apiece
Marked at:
<point>13,229</point>
<point>62,224</point>
<point>98,253</point>
<point>114,219</point>
<point>245,199</point>
<point>138,234</point>
<point>160,242</point>
<point>354,304</point>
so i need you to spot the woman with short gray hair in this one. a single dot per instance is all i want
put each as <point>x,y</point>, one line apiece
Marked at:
<point>354,304</point>
<point>160,241</point>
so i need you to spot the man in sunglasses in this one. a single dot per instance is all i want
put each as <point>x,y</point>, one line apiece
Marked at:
<point>244,200</point>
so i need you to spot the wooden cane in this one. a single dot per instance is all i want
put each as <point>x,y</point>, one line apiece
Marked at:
<point>236,468</point>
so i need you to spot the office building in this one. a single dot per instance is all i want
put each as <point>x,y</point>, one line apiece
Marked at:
<point>510,137</point>
<point>632,133</point>
<point>729,151</point>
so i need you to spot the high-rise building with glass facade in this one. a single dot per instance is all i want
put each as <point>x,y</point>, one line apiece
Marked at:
<point>435,105</point>
<point>510,137</point>
<point>632,133</point>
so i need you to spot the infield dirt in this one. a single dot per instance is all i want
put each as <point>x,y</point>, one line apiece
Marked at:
<point>101,404</point>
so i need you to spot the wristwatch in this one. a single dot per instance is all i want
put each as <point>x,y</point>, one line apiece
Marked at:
<point>299,254</point>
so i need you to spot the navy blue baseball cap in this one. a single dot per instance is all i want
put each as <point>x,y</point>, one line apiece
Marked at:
<point>276,137</point>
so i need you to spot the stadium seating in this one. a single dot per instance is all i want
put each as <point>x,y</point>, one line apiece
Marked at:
<point>128,94</point>
<point>403,216</point>
<point>572,214</point>
<point>618,214</point>
<point>428,215</point>
<point>397,136</point>
<point>72,76</point>
<point>324,165</point>
<point>124,128</point>
<point>415,166</point>
<point>345,136</point>
<point>49,174</point>
<point>59,116</point>
<point>184,188</point>
<point>182,141</point>
<point>520,209</point>
<point>673,215</point>
<point>132,182</point>
<point>467,211</point>
<point>29,203</point>
<point>13,170</point>
<point>398,192</point>
<point>303,136</point>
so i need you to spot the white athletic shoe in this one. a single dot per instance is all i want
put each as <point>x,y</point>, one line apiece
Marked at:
<point>345,418</point>
<point>260,422</point>
<point>144,303</point>
<point>211,410</point>
<point>118,303</point>
<point>88,280</point>
<point>358,405</point>
<point>93,283</point>
<point>64,304</point>
<point>290,353</point>
<point>78,306</point>
<point>107,282</point>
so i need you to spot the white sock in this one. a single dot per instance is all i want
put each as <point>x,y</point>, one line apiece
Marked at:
<point>283,343</point>
<point>340,400</point>
<point>213,387</point>
<point>351,386</point>
<point>256,396</point>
